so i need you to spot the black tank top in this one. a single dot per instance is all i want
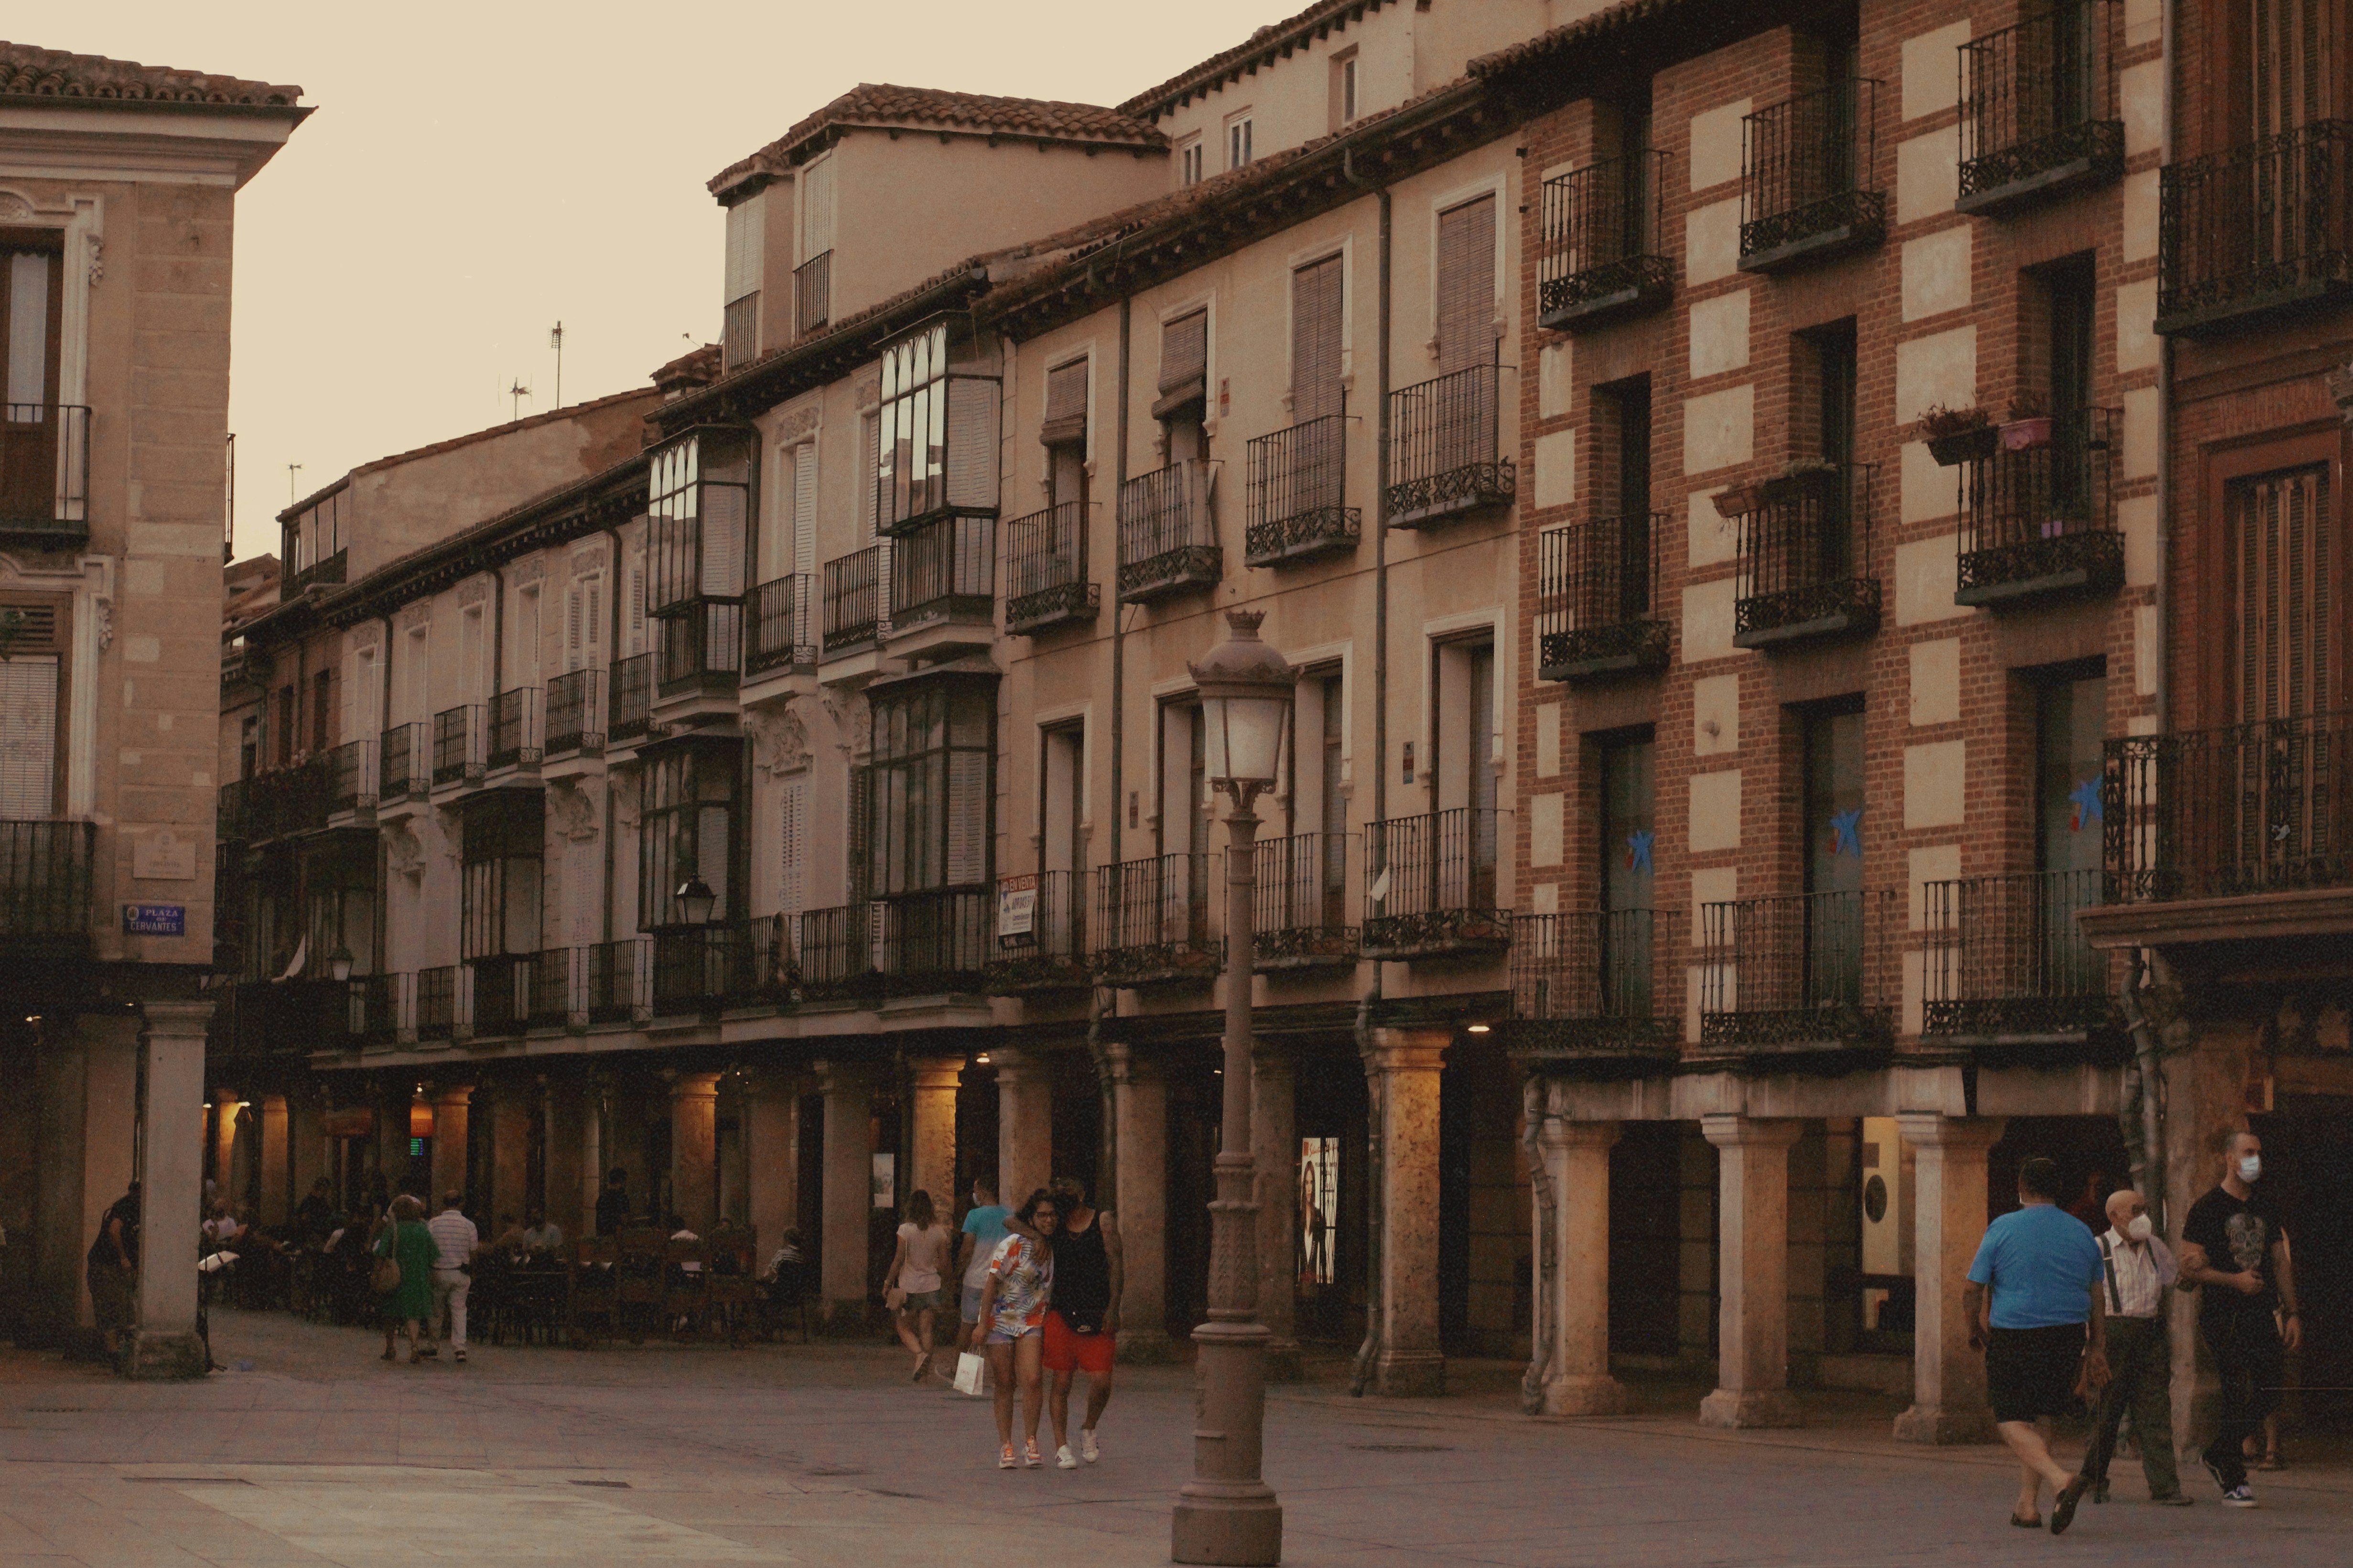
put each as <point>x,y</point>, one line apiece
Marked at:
<point>1082,1276</point>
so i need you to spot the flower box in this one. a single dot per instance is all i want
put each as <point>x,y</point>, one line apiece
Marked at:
<point>2020,434</point>
<point>1964,445</point>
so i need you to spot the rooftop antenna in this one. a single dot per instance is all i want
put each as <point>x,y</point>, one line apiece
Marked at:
<point>291,469</point>
<point>555,342</point>
<point>517,391</point>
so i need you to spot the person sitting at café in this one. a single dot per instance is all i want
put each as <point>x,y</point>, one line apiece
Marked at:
<point>510,1237</point>
<point>541,1236</point>
<point>314,1216</point>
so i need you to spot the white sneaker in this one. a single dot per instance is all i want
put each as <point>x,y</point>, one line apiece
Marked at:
<point>1064,1460</point>
<point>1087,1449</point>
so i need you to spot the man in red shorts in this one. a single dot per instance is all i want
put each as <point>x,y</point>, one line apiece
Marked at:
<point>1083,1321</point>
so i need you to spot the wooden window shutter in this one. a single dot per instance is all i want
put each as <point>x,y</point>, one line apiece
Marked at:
<point>861,833</point>
<point>574,617</point>
<point>1315,341</point>
<point>592,605</point>
<point>2282,548</point>
<point>746,230</point>
<point>28,734</point>
<point>792,896</point>
<point>1066,404</point>
<point>1184,363</point>
<point>1466,286</point>
<point>805,508</point>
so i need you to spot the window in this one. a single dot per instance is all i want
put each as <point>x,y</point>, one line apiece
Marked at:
<point>747,223</point>
<point>932,785</point>
<point>1238,142</point>
<point>473,656</point>
<point>686,829</point>
<point>816,213</point>
<point>2283,605</point>
<point>699,505</point>
<point>2293,64</point>
<point>583,623</point>
<point>248,743</point>
<point>503,841</point>
<point>1064,434</point>
<point>936,445</point>
<point>1628,823</point>
<point>285,748</point>
<point>30,711</point>
<point>1189,162</point>
<point>792,846</point>
<point>1062,800</point>
<point>2070,723</point>
<point>313,540</point>
<point>1185,816</point>
<point>1182,405</point>
<point>416,673</point>
<point>1316,343</point>
<point>523,663</point>
<point>31,312</point>
<point>323,695</point>
<point>1833,799</point>
<point>1465,315</point>
<point>1343,88</point>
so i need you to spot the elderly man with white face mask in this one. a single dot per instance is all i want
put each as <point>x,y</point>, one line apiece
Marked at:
<point>2138,1267</point>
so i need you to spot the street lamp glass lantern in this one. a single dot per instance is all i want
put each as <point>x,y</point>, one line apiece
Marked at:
<point>1246,695</point>
<point>695,900</point>
<point>338,962</point>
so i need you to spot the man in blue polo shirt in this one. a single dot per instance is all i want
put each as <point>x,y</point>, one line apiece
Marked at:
<point>984,1227</point>
<point>2045,1337</point>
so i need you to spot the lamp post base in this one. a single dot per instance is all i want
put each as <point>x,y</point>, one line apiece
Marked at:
<point>1237,1522</point>
<point>1226,1514</point>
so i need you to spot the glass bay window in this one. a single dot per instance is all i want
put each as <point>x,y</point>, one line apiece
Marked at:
<point>936,447</point>
<point>688,828</point>
<point>931,786</point>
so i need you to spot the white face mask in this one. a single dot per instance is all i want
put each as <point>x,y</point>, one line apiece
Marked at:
<point>2251,1167</point>
<point>2139,1229</point>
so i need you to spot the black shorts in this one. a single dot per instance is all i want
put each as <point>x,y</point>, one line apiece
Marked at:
<point>2033,1372</point>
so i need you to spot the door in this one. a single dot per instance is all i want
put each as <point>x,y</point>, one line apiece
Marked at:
<point>2070,724</point>
<point>1831,934</point>
<point>1315,482</point>
<point>31,306</point>
<point>1629,830</point>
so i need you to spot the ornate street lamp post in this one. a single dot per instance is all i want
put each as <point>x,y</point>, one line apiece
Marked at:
<point>1226,1514</point>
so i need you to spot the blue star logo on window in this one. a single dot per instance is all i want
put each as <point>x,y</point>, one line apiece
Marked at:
<point>1638,851</point>
<point>2086,797</point>
<point>1846,833</point>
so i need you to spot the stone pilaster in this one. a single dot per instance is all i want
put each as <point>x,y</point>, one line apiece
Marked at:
<point>772,1139</point>
<point>273,1129</point>
<point>1752,1381</point>
<point>935,1095</point>
<point>1948,1196</point>
<point>1140,1112</point>
<point>1025,1124</point>
<point>694,1149</point>
<point>560,1107</point>
<point>1577,1167</point>
<point>1411,1363</point>
<point>170,1193</point>
<point>847,1198</point>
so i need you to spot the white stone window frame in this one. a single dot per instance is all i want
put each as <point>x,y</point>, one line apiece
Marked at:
<point>1498,185</point>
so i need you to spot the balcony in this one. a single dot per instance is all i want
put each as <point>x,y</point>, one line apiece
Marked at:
<point>944,588</point>
<point>1805,558</point>
<point>2041,522</point>
<point>1434,884</point>
<point>1796,974</point>
<point>617,983</point>
<point>1598,597</point>
<point>1042,946</point>
<point>404,763</point>
<point>937,439</point>
<point>45,883</point>
<point>700,651</point>
<point>783,637</point>
<point>232,813</point>
<point>2005,964</point>
<point>699,970</point>
<point>376,1008</point>
<point>517,739</point>
<point>854,605</point>
<point>328,573</point>
<point>739,331</point>
<point>1169,533</point>
<point>460,745</point>
<point>575,714</point>
<point>937,943</point>
<point>838,955</point>
<point>1298,483</point>
<point>1599,991</point>
<point>497,995</point>
<point>1807,168</point>
<point>433,1006</point>
<point>1602,259</point>
<point>1046,583</point>
<point>352,779</point>
<point>813,293</point>
<point>630,714</point>
<point>45,475</point>
<point>1151,923</point>
<point>1299,919</point>
<point>549,989</point>
<point>2038,109</point>
<point>2263,228</point>
<point>1445,459</point>
<point>286,802</point>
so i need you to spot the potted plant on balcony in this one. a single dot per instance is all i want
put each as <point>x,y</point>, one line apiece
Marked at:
<point>1958,435</point>
<point>1737,500</point>
<point>1801,477</point>
<point>2028,424</point>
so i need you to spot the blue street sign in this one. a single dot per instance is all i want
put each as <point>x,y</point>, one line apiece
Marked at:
<point>155,920</point>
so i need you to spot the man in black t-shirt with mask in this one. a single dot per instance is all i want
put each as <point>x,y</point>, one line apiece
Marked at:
<point>2241,1257</point>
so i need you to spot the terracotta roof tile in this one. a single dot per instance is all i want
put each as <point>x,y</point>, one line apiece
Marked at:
<point>882,104</point>
<point>27,71</point>
<point>1261,47</point>
<point>1586,30</point>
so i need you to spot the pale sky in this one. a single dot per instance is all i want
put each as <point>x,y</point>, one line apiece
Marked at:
<point>477,172</point>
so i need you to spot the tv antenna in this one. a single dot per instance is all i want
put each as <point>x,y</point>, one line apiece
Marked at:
<point>555,342</point>
<point>291,469</point>
<point>517,391</point>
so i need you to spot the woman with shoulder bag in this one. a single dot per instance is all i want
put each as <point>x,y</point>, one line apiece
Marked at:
<point>914,1283</point>
<point>403,1279</point>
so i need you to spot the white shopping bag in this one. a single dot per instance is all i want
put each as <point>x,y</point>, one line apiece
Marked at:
<point>967,1377</point>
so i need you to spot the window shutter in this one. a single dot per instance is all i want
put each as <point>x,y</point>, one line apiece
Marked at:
<point>1066,404</point>
<point>638,605</point>
<point>817,209</point>
<point>592,592</point>
<point>861,833</point>
<point>804,560</point>
<point>573,612</point>
<point>968,802</point>
<point>747,228</point>
<point>2283,662</point>
<point>870,471</point>
<point>1184,363</point>
<point>1466,286</point>
<point>28,735</point>
<point>1315,341</point>
<point>792,895</point>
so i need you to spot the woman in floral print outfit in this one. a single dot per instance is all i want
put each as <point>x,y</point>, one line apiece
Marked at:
<point>1013,1320</point>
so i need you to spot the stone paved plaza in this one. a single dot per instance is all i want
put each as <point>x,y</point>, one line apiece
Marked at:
<point>314,1451</point>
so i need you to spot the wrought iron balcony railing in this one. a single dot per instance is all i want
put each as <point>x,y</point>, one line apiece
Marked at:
<point>517,736</point>
<point>2040,521</point>
<point>772,949</point>
<point>617,981</point>
<point>739,331</point>
<point>2266,227</point>
<point>813,293</point>
<point>1805,558</point>
<point>855,607</point>
<point>433,1005</point>
<point>289,800</point>
<point>377,1003</point>
<point>232,813</point>
<point>701,648</point>
<point>575,713</point>
<point>404,767</point>
<point>701,969</point>
<point>2038,107</point>
<point>1433,885</point>
<point>632,704</point>
<point>1300,917</point>
<point>1597,598</point>
<point>1041,936</point>
<point>1151,923</point>
<point>45,881</point>
<point>2005,962</point>
<point>497,994</point>
<point>837,954</point>
<point>1169,533</point>
<point>550,988</point>
<point>1445,449</point>
<point>938,943</point>
<point>1798,972</point>
<point>45,474</point>
<point>1298,493</point>
<point>1602,259</point>
<point>944,570</point>
<point>1046,582</point>
<point>2264,807</point>
<point>351,778</point>
<point>1600,984</point>
<point>460,745</point>
<point>783,633</point>
<point>1809,168</point>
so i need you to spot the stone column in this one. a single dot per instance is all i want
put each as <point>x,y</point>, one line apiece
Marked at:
<point>1752,1380</point>
<point>451,1104</point>
<point>392,1140</point>
<point>593,1103</point>
<point>1025,1124</point>
<point>274,1152</point>
<point>306,1146</point>
<point>935,1094</point>
<point>1140,1115</point>
<point>1948,1188</point>
<point>85,1081</point>
<point>1577,1167</point>
<point>514,1103</point>
<point>847,1198</point>
<point>560,1107</point>
<point>225,1105</point>
<point>1411,1363</point>
<point>170,1193</point>
<point>694,1148</point>
<point>1274,1155</point>
<point>772,1139</point>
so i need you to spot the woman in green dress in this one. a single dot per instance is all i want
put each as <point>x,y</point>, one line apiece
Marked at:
<point>405,1240</point>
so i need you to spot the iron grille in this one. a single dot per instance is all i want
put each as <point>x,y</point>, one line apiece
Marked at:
<point>575,713</point>
<point>1798,970</point>
<point>616,981</point>
<point>2262,225</point>
<point>944,570</point>
<point>772,949</point>
<point>1433,884</point>
<point>45,879</point>
<point>2040,519</point>
<point>633,698</point>
<point>739,331</point>
<point>701,969</point>
<point>1601,256</point>
<point>853,599</point>
<point>1597,596</point>
<point>1598,981</point>
<point>375,1007</point>
<point>2264,807</point>
<point>1298,487</point>
<point>936,942</point>
<point>2004,957</point>
<point>1299,918</point>
<point>403,758</point>
<point>813,293</point>
<point>1808,165</point>
<point>45,473</point>
<point>458,753</point>
<point>2037,107</point>
<point>837,954</point>
<point>1152,921</point>
<point>352,776</point>
<point>781,627</point>
<point>435,1008</point>
<point>551,988</point>
<point>1444,453</point>
<point>1169,533</point>
<point>515,732</point>
<point>1046,580</point>
<point>1043,949</point>
<point>498,994</point>
<point>701,648</point>
<point>1805,558</point>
